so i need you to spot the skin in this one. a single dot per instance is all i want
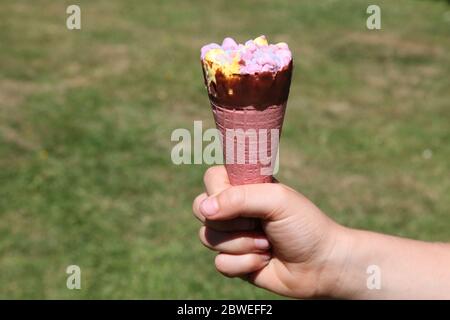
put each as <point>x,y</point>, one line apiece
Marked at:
<point>275,238</point>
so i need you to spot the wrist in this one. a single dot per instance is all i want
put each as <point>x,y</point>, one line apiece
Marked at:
<point>355,251</point>
<point>335,277</point>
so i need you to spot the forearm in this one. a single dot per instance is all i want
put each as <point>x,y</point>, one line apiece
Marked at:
<point>407,269</point>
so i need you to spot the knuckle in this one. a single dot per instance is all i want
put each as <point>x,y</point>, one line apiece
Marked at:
<point>280,192</point>
<point>210,173</point>
<point>280,195</point>
<point>220,266</point>
<point>201,235</point>
<point>253,261</point>
<point>235,197</point>
<point>196,206</point>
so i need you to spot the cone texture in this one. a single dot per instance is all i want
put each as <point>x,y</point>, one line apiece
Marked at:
<point>257,158</point>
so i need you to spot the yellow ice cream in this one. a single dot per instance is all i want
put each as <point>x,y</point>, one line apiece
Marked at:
<point>226,61</point>
<point>216,59</point>
<point>261,41</point>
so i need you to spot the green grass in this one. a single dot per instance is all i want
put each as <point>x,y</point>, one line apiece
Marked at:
<point>86,118</point>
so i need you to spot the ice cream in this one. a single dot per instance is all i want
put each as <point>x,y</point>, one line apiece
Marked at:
<point>255,56</point>
<point>248,87</point>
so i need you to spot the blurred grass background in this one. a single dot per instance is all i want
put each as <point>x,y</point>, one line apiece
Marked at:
<point>86,117</point>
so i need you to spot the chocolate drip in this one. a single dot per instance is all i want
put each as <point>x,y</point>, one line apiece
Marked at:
<point>259,90</point>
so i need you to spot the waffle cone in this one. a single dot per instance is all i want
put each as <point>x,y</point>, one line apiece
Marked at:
<point>250,139</point>
<point>249,112</point>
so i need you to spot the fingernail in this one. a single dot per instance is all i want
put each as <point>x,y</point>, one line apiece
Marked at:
<point>209,206</point>
<point>262,243</point>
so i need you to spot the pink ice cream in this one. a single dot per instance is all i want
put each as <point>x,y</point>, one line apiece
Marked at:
<point>254,56</point>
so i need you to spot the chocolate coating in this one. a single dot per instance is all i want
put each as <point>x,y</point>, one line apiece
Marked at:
<point>259,90</point>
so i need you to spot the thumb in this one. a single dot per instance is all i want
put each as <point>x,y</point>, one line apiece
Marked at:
<point>264,201</point>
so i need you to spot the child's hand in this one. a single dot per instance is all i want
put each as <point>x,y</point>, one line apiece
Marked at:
<point>270,235</point>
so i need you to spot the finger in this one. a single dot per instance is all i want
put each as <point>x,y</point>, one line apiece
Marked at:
<point>216,180</point>
<point>238,224</point>
<point>268,278</point>
<point>233,243</point>
<point>239,265</point>
<point>196,206</point>
<point>264,201</point>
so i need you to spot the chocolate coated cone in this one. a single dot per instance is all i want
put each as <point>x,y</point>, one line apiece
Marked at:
<point>247,109</point>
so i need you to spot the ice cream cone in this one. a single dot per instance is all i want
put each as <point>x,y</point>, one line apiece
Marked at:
<point>248,89</point>
<point>253,165</point>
